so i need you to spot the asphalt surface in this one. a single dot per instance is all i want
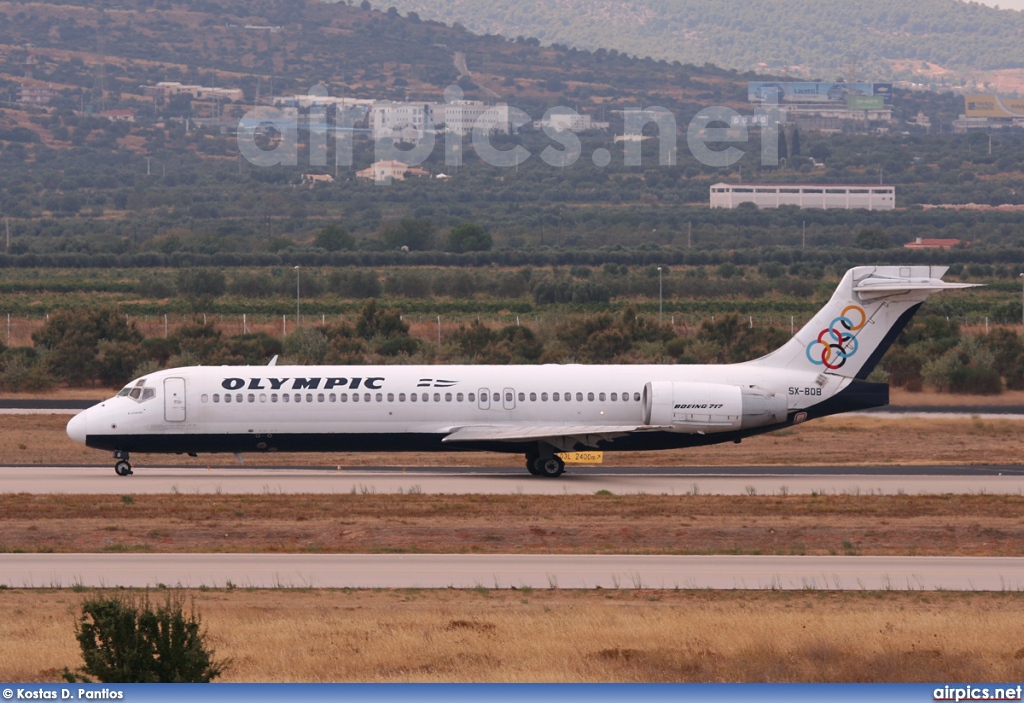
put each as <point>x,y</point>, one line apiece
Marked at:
<point>774,480</point>
<point>507,571</point>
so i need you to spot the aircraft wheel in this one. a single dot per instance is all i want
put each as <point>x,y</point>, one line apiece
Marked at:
<point>123,468</point>
<point>531,466</point>
<point>551,468</point>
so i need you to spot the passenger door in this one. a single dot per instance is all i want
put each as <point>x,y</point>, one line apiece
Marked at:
<point>174,399</point>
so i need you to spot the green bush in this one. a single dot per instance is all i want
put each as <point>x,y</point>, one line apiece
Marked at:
<point>124,639</point>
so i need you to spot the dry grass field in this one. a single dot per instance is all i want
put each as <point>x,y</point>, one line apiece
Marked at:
<point>843,440</point>
<point>894,525</point>
<point>517,636</point>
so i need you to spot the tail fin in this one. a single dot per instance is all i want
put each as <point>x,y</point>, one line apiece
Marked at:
<point>869,309</point>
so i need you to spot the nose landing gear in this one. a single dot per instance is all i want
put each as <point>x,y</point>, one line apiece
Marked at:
<point>122,467</point>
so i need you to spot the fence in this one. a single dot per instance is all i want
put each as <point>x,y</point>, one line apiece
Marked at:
<point>428,328</point>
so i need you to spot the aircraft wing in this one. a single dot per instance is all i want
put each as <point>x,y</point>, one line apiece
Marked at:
<point>563,437</point>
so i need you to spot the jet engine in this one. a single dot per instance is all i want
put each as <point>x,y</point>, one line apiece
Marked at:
<point>711,407</point>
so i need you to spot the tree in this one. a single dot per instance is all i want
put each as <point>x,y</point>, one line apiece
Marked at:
<point>783,146</point>
<point>125,640</point>
<point>469,237</point>
<point>872,239</point>
<point>333,238</point>
<point>416,235</point>
<point>794,143</point>
<point>89,345</point>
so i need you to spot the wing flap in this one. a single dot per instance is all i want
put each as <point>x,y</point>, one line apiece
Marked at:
<point>561,436</point>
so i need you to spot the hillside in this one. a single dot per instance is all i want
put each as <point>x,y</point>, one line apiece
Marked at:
<point>272,45</point>
<point>868,39</point>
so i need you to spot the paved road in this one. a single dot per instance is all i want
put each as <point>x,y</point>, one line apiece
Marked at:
<point>772,480</point>
<point>504,571</point>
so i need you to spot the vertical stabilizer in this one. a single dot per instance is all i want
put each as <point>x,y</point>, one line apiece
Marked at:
<point>870,307</point>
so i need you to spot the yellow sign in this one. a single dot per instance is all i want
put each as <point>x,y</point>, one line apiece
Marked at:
<point>582,457</point>
<point>981,105</point>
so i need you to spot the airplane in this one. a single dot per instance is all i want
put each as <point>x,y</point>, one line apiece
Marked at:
<point>537,411</point>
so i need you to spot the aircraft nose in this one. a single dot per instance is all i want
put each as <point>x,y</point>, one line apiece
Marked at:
<point>77,427</point>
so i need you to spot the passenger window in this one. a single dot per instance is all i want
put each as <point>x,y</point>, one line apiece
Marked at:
<point>522,397</point>
<point>205,398</point>
<point>437,397</point>
<point>496,397</point>
<point>579,397</point>
<point>472,397</point>
<point>238,397</point>
<point>426,397</point>
<point>544,397</point>
<point>625,397</point>
<point>459,397</point>
<point>508,396</point>
<point>533,397</point>
<point>273,397</point>
<point>615,396</point>
<point>590,396</point>
<point>344,397</point>
<point>263,397</point>
<point>380,397</point>
<point>285,398</point>
<point>555,397</point>
<point>636,397</point>
<point>391,397</point>
<point>319,397</point>
<point>309,397</point>
<point>252,397</point>
<point>601,397</point>
<point>227,397</point>
<point>298,397</point>
<point>366,397</point>
<point>332,398</point>
<point>401,397</point>
<point>567,397</point>
<point>413,397</point>
<point>355,397</point>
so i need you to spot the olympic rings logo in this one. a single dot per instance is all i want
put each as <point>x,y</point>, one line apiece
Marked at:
<point>835,344</point>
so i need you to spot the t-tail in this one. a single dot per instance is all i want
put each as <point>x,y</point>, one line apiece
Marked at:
<point>871,306</point>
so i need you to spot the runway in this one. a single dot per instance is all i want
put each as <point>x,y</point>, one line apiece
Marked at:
<point>763,480</point>
<point>506,571</point>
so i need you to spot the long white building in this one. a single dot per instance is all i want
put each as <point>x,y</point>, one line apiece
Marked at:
<point>825,197</point>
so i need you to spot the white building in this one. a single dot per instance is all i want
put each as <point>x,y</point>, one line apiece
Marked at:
<point>410,121</point>
<point>570,122</point>
<point>826,197</point>
<point>199,92</point>
<point>384,171</point>
<point>405,122</point>
<point>462,116</point>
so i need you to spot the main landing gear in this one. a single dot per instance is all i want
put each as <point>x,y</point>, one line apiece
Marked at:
<point>122,467</point>
<point>550,467</point>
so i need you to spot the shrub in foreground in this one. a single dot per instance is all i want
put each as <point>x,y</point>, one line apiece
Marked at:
<point>124,639</point>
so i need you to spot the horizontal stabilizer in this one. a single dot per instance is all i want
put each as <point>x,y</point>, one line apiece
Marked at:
<point>871,288</point>
<point>561,436</point>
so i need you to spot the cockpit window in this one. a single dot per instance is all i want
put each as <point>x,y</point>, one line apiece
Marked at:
<point>138,392</point>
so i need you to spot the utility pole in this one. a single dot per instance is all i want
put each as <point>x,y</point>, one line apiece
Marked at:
<point>659,298</point>
<point>298,318</point>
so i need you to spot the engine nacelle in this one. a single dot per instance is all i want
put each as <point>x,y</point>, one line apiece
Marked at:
<point>711,407</point>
